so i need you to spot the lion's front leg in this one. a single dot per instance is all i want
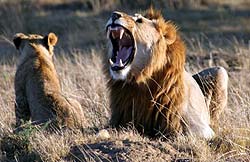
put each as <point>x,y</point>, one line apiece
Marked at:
<point>214,83</point>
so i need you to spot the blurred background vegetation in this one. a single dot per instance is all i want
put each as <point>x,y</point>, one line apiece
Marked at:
<point>80,23</point>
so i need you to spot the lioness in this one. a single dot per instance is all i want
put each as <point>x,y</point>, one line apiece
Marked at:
<point>37,87</point>
<point>149,86</point>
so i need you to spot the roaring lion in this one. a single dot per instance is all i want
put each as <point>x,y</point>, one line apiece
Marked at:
<point>37,87</point>
<point>149,86</point>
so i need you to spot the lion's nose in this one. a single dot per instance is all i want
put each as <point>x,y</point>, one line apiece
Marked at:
<point>116,15</point>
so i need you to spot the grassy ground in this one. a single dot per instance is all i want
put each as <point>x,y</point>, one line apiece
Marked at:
<point>216,34</point>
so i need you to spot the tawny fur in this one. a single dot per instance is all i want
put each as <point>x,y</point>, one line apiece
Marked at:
<point>158,95</point>
<point>37,87</point>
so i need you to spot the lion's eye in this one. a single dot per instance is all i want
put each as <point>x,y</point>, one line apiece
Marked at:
<point>139,20</point>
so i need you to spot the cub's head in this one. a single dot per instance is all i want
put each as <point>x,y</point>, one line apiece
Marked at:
<point>24,42</point>
<point>138,44</point>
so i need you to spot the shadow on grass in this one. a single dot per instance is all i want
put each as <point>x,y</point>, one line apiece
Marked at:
<point>122,150</point>
<point>101,151</point>
<point>17,148</point>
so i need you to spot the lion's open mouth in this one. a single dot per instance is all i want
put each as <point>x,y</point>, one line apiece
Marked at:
<point>123,46</point>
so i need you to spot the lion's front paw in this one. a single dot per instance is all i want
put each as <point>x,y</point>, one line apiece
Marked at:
<point>208,133</point>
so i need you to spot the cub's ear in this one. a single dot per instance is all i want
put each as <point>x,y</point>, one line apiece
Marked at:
<point>18,39</point>
<point>51,39</point>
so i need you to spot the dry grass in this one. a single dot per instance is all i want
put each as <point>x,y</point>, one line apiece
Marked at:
<point>79,65</point>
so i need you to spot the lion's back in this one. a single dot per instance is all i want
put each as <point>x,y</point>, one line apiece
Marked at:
<point>37,87</point>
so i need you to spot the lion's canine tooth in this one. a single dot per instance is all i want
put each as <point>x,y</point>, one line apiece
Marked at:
<point>120,63</point>
<point>121,33</point>
<point>111,62</point>
<point>108,32</point>
<point>113,35</point>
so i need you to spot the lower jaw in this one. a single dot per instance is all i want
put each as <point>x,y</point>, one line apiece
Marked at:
<point>120,74</point>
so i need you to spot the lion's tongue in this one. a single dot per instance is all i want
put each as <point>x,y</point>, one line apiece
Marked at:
<point>123,54</point>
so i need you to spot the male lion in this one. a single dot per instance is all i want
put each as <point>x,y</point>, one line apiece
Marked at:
<point>150,87</point>
<point>37,87</point>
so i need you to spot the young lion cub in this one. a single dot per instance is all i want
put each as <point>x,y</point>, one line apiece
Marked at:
<point>37,87</point>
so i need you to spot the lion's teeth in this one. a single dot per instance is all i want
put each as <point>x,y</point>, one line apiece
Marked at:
<point>120,63</point>
<point>121,33</point>
<point>113,34</point>
<point>108,33</point>
<point>111,62</point>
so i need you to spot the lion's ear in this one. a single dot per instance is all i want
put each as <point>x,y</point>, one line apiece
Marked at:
<point>18,39</point>
<point>51,39</point>
<point>170,36</point>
